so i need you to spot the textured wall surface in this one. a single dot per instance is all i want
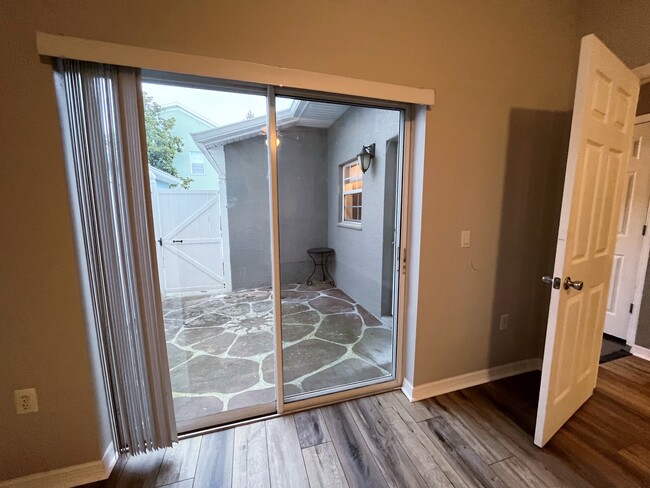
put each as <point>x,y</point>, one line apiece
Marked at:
<point>484,59</point>
<point>302,188</point>
<point>359,252</point>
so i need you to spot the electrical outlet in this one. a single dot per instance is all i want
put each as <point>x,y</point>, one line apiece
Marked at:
<point>503,322</point>
<point>26,401</point>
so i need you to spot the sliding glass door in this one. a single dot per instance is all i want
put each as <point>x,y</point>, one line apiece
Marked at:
<point>209,175</point>
<point>311,215</point>
<point>338,195</point>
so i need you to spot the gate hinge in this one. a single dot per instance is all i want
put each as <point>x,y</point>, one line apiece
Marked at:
<point>631,307</point>
<point>645,228</point>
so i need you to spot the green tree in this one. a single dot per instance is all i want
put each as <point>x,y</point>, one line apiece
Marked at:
<point>162,145</point>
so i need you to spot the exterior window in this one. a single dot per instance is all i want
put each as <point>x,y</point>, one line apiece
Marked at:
<point>352,186</point>
<point>197,163</point>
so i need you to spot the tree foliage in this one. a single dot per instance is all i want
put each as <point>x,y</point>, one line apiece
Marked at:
<point>162,145</point>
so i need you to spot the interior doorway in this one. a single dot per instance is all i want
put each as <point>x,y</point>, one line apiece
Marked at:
<point>632,227</point>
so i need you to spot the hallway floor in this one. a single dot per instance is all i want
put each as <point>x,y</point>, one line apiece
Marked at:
<point>220,346</point>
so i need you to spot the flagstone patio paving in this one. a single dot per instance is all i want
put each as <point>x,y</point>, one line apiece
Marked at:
<point>220,346</point>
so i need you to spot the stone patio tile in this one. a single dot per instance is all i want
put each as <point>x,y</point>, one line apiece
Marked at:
<point>217,344</point>
<point>207,320</point>
<point>294,332</point>
<point>309,355</point>
<point>298,296</point>
<point>290,390</point>
<point>251,344</point>
<point>289,308</point>
<point>315,287</point>
<point>268,368</point>
<point>369,319</point>
<point>188,408</point>
<point>327,305</point>
<point>249,324</point>
<point>172,326</point>
<point>344,328</point>
<point>236,310</point>
<point>176,355</point>
<point>209,374</point>
<point>336,293</point>
<point>252,398</point>
<point>187,337</point>
<point>248,296</point>
<point>185,313</point>
<point>262,307</point>
<point>376,346</point>
<point>343,373</point>
<point>303,318</point>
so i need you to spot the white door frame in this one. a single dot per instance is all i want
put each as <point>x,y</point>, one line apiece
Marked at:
<point>643,263</point>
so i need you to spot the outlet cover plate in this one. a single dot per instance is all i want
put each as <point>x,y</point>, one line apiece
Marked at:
<point>26,401</point>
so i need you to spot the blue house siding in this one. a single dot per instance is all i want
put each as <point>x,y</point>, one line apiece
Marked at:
<point>186,123</point>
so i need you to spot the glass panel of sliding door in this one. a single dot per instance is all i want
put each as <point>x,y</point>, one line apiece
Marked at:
<point>337,195</point>
<point>210,195</point>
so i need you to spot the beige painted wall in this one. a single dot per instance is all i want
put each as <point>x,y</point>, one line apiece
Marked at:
<point>486,60</point>
<point>623,25</point>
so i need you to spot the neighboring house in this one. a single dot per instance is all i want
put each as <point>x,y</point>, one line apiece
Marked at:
<point>191,162</point>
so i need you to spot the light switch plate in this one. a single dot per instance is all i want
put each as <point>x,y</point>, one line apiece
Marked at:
<point>464,238</point>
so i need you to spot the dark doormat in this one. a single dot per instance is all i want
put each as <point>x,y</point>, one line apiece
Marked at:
<point>614,355</point>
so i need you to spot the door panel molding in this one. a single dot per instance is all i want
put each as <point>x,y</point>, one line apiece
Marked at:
<point>601,131</point>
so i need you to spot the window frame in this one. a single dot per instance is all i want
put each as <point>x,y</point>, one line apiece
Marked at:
<point>203,160</point>
<point>343,221</point>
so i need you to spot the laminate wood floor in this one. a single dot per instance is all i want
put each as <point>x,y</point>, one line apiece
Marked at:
<point>480,436</point>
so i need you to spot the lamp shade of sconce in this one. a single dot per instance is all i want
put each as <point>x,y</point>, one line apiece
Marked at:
<point>366,156</point>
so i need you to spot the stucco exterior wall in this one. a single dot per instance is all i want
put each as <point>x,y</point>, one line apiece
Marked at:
<point>302,203</point>
<point>358,261</point>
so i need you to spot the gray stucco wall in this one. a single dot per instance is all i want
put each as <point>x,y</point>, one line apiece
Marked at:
<point>303,206</point>
<point>247,189</point>
<point>302,190</point>
<point>357,266</point>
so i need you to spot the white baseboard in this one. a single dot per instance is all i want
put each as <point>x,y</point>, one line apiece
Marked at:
<point>70,476</point>
<point>407,389</point>
<point>435,388</point>
<point>640,352</point>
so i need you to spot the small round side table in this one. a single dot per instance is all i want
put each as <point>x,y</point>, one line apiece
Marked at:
<point>320,256</point>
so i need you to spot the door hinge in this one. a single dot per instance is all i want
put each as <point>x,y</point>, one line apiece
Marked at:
<point>645,228</point>
<point>631,307</point>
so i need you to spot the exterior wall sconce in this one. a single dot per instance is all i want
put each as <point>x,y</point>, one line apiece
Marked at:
<point>366,156</point>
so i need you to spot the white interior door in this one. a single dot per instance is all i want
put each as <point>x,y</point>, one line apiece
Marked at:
<point>629,239</point>
<point>601,133</point>
<point>192,243</point>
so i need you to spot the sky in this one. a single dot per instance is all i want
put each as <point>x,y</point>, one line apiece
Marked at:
<point>219,107</point>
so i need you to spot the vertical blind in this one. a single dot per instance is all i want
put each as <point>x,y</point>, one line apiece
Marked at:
<point>103,128</point>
